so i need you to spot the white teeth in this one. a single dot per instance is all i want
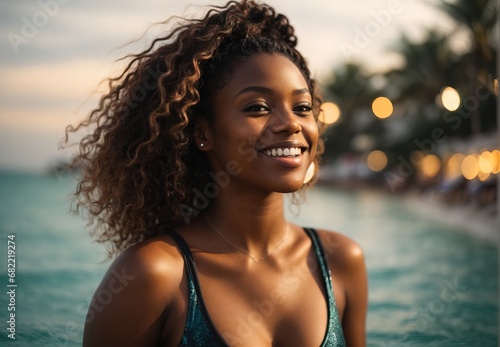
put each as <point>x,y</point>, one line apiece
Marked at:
<point>286,152</point>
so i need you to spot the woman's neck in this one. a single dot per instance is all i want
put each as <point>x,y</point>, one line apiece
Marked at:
<point>249,222</point>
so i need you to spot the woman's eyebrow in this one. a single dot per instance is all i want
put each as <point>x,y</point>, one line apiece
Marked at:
<point>266,90</point>
<point>259,89</point>
<point>301,91</point>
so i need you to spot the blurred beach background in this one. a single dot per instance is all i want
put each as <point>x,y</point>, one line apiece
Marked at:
<point>410,169</point>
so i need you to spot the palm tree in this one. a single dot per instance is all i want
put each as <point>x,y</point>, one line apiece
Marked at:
<point>479,18</point>
<point>427,65</point>
<point>350,88</point>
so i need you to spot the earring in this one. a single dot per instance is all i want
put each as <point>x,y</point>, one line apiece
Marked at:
<point>309,173</point>
<point>202,145</point>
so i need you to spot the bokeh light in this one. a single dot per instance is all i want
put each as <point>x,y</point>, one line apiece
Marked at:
<point>450,99</point>
<point>430,165</point>
<point>470,167</point>
<point>454,165</point>
<point>330,113</point>
<point>382,107</point>
<point>376,160</point>
<point>483,176</point>
<point>486,162</point>
<point>496,161</point>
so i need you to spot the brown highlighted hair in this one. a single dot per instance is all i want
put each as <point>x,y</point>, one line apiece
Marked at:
<point>140,165</point>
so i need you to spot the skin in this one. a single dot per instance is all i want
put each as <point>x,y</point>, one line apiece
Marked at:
<point>279,301</point>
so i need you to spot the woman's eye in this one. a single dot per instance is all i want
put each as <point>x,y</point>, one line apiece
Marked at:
<point>303,108</point>
<point>256,108</point>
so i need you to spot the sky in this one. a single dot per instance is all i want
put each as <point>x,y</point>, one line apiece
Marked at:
<point>55,53</point>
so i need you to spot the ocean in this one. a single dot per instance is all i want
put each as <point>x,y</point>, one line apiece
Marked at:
<point>429,284</point>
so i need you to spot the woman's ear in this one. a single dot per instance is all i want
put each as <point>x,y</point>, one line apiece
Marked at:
<point>203,135</point>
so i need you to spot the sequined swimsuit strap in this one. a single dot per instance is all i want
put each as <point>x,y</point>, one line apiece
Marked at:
<point>198,323</point>
<point>334,336</point>
<point>186,254</point>
<point>322,260</point>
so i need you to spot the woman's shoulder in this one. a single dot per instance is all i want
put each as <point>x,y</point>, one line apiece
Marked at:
<point>154,259</point>
<point>136,294</point>
<point>152,269</point>
<point>342,252</point>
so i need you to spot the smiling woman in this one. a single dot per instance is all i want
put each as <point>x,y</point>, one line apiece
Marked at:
<point>185,169</point>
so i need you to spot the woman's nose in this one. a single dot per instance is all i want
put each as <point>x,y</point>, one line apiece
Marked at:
<point>285,120</point>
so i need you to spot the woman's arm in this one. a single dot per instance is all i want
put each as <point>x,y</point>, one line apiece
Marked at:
<point>130,305</point>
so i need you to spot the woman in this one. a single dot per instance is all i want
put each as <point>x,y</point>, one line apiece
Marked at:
<point>185,169</point>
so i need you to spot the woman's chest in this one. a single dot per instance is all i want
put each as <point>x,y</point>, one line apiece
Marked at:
<point>262,307</point>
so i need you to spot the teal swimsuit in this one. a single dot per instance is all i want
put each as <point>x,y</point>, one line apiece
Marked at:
<point>199,329</point>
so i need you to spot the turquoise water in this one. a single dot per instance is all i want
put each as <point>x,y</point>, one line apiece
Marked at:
<point>429,285</point>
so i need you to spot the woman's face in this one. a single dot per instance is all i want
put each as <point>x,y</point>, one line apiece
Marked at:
<point>264,125</point>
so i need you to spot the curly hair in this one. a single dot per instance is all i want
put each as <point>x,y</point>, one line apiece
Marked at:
<point>141,168</point>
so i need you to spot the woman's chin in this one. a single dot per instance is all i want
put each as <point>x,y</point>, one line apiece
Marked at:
<point>290,187</point>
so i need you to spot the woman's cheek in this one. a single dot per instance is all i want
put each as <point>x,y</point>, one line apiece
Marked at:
<point>311,131</point>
